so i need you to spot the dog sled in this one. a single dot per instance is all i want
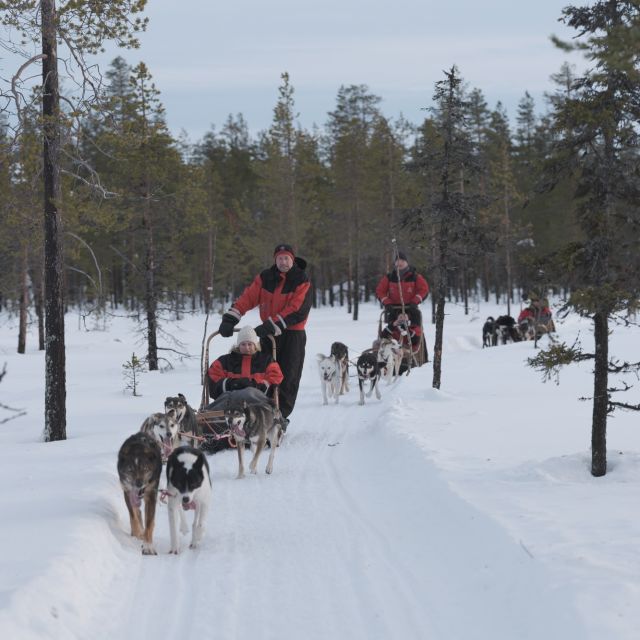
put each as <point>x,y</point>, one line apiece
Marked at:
<point>217,433</point>
<point>411,357</point>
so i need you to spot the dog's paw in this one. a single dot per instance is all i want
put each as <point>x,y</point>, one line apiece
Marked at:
<point>148,550</point>
<point>173,552</point>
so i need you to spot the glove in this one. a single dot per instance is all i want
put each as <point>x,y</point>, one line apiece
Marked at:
<point>226,326</point>
<point>265,329</point>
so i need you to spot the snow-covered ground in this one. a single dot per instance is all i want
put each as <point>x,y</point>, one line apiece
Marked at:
<point>465,513</point>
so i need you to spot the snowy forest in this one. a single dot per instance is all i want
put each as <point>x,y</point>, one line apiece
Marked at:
<point>140,221</point>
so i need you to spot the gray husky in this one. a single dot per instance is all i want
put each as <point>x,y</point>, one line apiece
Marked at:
<point>253,419</point>
<point>178,408</point>
<point>139,469</point>
<point>164,429</point>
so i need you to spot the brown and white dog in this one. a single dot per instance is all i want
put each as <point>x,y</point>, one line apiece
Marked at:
<point>139,469</point>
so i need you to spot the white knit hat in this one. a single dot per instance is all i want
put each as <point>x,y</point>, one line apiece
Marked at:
<point>247,334</point>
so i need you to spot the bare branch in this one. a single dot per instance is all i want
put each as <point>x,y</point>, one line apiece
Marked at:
<point>16,77</point>
<point>93,255</point>
<point>623,405</point>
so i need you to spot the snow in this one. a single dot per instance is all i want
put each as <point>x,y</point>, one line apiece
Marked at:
<point>464,513</point>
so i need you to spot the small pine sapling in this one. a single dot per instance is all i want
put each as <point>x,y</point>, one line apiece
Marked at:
<point>132,370</point>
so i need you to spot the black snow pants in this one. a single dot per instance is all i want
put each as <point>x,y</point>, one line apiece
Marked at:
<point>290,348</point>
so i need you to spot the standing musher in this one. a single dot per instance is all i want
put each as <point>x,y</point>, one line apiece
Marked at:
<point>283,294</point>
<point>403,287</point>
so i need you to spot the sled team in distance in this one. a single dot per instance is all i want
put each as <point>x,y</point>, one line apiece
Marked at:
<point>400,344</point>
<point>534,321</point>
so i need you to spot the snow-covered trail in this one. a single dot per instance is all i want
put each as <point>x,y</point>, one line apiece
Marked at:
<point>399,519</point>
<point>353,536</point>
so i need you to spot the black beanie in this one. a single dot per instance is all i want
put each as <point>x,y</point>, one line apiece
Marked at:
<point>284,248</point>
<point>402,256</point>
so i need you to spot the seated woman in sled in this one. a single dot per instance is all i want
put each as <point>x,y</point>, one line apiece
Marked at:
<point>537,314</point>
<point>402,329</point>
<point>244,366</point>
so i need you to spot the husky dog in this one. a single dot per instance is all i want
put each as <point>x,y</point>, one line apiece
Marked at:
<point>390,356</point>
<point>139,469</point>
<point>341,353</point>
<point>329,377</point>
<point>253,419</point>
<point>164,429</point>
<point>489,333</point>
<point>368,369</point>
<point>507,330</point>
<point>178,408</point>
<point>188,487</point>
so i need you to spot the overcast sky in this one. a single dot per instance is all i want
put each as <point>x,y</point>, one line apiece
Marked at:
<point>210,59</point>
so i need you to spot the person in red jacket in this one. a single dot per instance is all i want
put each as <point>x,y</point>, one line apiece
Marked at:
<point>244,366</point>
<point>403,285</point>
<point>283,294</point>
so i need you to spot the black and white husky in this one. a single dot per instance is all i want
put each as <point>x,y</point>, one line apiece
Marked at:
<point>368,369</point>
<point>253,419</point>
<point>489,333</point>
<point>188,488</point>
<point>164,429</point>
<point>178,408</point>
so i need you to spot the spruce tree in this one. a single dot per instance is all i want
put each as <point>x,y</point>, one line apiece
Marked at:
<point>598,144</point>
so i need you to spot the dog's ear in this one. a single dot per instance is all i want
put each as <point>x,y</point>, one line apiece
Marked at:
<point>320,357</point>
<point>182,397</point>
<point>168,399</point>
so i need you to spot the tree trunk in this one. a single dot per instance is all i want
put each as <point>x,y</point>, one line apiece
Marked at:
<point>24,300</point>
<point>437,343</point>
<point>151,304</point>
<point>37,282</point>
<point>55,414</point>
<point>600,395</point>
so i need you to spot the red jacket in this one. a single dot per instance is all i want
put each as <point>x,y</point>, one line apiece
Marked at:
<point>529,312</point>
<point>260,368</point>
<point>283,298</point>
<point>414,288</point>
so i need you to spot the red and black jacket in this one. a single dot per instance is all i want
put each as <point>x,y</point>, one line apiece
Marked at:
<point>414,288</point>
<point>258,369</point>
<point>283,298</point>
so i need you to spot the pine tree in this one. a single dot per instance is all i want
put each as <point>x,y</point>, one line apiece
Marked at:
<point>450,211</point>
<point>350,127</point>
<point>598,121</point>
<point>83,28</point>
